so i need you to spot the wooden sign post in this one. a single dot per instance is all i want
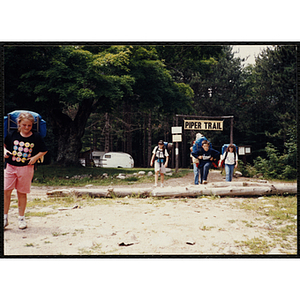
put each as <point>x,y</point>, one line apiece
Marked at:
<point>201,123</point>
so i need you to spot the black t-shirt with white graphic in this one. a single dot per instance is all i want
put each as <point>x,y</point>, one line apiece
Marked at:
<point>23,148</point>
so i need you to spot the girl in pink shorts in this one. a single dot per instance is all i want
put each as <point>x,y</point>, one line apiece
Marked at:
<point>22,149</point>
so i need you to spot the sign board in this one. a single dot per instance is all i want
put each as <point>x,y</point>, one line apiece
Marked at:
<point>244,150</point>
<point>176,130</point>
<point>176,138</point>
<point>241,150</point>
<point>203,125</point>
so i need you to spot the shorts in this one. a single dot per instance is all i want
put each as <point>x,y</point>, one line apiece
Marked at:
<point>159,167</point>
<point>18,178</point>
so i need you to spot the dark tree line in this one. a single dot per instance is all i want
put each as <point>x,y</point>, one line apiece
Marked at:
<point>124,98</point>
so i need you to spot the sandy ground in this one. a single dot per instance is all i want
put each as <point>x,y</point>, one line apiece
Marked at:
<point>130,226</point>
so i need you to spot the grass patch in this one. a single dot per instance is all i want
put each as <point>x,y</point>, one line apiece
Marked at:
<point>39,214</point>
<point>279,212</point>
<point>256,245</point>
<point>280,208</point>
<point>232,221</point>
<point>206,228</point>
<point>53,202</point>
<point>55,175</point>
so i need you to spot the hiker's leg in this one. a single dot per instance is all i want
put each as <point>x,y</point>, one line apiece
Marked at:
<point>156,177</point>
<point>196,174</point>
<point>162,176</point>
<point>231,170</point>
<point>206,170</point>
<point>10,179</point>
<point>7,197</point>
<point>201,174</point>
<point>227,171</point>
<point>22,201</point>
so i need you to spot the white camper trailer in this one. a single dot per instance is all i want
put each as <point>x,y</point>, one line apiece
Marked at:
<point>97,156</point>
<point>117,160</point>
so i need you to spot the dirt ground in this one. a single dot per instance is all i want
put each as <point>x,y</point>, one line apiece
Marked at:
<point>144,226</point>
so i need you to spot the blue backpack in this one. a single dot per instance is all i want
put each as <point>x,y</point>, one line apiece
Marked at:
<point>224,147</point>
<point>198,144</point>
<point>11,122</point>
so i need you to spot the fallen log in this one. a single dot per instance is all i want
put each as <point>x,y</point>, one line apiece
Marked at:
<point>101,192</point>
<point>285,188</point>
<point>237,183</point>
<point>221,189</point>
<point>210,191</point>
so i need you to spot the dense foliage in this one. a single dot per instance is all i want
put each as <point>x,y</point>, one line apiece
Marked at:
<point>125,98</point>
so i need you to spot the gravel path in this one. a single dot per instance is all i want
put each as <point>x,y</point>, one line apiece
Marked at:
<point>130,226</point>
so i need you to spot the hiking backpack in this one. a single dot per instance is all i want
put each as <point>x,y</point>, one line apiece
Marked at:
<point>198,144</point>
<point>11,122</point>
<point>168,147</point>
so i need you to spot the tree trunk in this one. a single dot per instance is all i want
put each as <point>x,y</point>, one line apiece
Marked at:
<point>106,143</point>
<point>128,127</point>
<point>149,138</point>
<point>144,142</point>
<point>69,133</point>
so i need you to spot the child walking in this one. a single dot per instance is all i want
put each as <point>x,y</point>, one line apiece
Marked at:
<point>161,158</point>
<point>230,158</point>
<point>22,149</point>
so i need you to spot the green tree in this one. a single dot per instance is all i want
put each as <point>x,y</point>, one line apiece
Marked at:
<point>154,98</point>
<point>270,110</point>
<point>72,83</point>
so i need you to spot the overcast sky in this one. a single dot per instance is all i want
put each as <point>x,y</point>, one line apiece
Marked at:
<point>251,50</point>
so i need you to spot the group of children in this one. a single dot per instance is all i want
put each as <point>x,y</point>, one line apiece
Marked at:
<point>202,156</point>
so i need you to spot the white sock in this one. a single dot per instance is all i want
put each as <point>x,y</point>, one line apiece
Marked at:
<point>5,216</point>
<point>21,217</point>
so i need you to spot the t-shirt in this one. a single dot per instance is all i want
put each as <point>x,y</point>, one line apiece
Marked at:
<point>207,155</point>
<point>160,152</point>
<point>22,148</point>
<point>230,158</point>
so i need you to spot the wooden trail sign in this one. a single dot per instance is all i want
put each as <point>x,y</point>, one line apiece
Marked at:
<point>203,125</point>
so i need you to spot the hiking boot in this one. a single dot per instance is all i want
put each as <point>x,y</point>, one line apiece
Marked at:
<point>5,222</point>
<point>22,223</point>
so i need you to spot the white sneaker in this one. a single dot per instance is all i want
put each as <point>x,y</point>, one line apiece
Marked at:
<point>5,222</point>
<point>155,185</point>
<point>22,223</point>
<point>162,185</point>
<point>205,182</point>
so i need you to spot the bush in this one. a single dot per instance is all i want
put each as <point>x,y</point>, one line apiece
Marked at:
<point>246,169</point>
<point>276,166</point>
<point>289,173</point>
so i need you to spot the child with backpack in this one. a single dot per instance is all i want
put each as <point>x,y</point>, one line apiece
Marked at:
<point>230,159</point>
<point>161,157</point>
<point>22,149</point>
<point>206,155</point>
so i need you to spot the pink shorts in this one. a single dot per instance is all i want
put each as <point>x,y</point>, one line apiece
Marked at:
<point>18,178</point>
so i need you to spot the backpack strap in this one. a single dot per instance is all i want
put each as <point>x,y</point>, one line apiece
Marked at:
<point>234,156</point>
<point>164,157</point>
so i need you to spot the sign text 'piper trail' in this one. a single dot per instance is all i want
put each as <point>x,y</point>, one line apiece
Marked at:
<point>203,125</point>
